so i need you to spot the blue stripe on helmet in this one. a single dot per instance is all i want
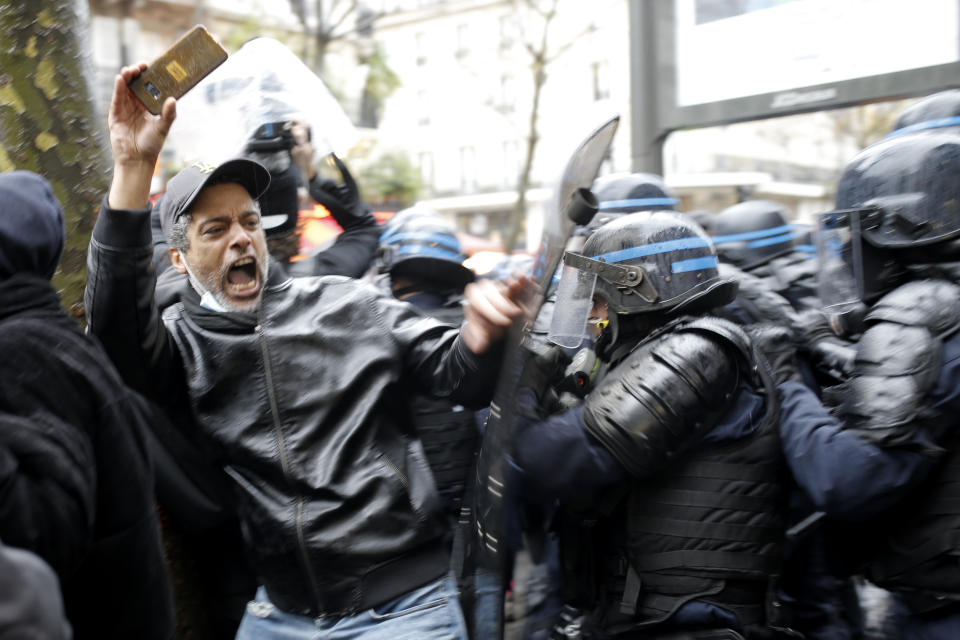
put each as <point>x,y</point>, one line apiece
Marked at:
<point>936,123</point>
<point>766,242</point>
<point>654,248</point>
<point>637,203</point>
<point>431,252</point>
<point>694,264</point>
<point>424,237</point>
<point>751,235</point>
<point>806,248</point>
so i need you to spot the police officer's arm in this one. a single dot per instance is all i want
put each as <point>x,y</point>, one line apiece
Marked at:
<point>556,458</point>
<point>843,474</point>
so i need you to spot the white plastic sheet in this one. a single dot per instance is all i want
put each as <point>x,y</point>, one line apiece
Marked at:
<point>262,82</point>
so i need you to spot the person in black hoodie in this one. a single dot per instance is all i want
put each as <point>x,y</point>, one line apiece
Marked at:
<point>76,483</point>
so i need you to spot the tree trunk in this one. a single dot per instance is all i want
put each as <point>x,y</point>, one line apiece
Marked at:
<point>48,122</point>
<point>519,215</point>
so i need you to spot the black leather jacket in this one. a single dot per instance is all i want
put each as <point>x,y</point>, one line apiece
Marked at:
<point>339,509</point>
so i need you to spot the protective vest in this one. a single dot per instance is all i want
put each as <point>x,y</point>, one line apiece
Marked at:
<point>898,364</point>
<point>710,529</point>
<point>920,558</point>
<point>709,525</point>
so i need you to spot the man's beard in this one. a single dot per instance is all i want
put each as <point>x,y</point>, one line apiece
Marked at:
<point>211,284</point>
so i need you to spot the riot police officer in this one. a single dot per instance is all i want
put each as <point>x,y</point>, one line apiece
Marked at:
<point>621,193</point>
<point>755,237</point>
<point>932,112</point>
<point>422,263</point>
<point>889,271</point>
<point>669,474</point>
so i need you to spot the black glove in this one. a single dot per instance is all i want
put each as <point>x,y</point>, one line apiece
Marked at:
<point>541,371</point>
<point>341,200</point>
<point>831,355</point>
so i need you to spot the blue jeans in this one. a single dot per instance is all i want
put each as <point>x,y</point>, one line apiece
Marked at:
<point>488,604</point>
<point>431,611</point>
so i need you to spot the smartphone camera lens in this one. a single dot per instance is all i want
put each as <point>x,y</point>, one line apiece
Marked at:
<point>152,90</point>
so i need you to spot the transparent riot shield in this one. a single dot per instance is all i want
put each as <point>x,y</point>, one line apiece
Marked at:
<point>840,268</point>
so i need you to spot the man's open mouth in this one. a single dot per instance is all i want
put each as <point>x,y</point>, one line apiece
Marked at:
<point>242,276</point>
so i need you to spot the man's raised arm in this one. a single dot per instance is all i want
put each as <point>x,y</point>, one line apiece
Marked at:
<point>119,299</point>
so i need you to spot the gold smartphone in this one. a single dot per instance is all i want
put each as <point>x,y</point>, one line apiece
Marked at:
<point>178,69</point>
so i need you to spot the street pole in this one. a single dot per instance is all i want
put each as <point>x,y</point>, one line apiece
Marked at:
<point>646,138</point>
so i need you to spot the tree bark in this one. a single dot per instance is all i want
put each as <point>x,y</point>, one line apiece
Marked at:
<point>519,215</point>
<point>48,122</point>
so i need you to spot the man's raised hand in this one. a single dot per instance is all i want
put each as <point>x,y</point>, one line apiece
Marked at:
<point>136,138</point>
<point>491,308</point>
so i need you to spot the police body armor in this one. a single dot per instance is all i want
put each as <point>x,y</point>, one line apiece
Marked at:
<point>898,363</point>
<point>793,276</point>
<point>756,302</point>
<point>704,523</point>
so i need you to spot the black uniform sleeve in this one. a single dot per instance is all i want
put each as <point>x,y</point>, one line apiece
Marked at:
<point>843,474</point>
<point>560,442</point>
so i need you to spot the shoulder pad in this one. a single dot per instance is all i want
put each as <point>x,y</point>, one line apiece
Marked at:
<point>726,331</point>
<point>663,396</point>
<point>895,369</point>
<point>932,304</point>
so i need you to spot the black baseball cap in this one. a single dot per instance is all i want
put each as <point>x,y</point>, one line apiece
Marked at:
<point>184,188</point>
<point>280,203</point>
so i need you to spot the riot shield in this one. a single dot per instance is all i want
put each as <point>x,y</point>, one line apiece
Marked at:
<point>572,205</point>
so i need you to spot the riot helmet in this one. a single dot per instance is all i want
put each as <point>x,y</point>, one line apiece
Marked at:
<point>641,263</point>
<point>898,204</point>
<point>424,247</point>
<point>391,226</point>
<point>803,241</point>
<point>933,112</point>
<point>752,233</point>
<point>622,193</point>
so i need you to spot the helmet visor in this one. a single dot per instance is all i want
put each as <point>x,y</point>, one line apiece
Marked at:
<point>840,268</point>
<point>568,327</point>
